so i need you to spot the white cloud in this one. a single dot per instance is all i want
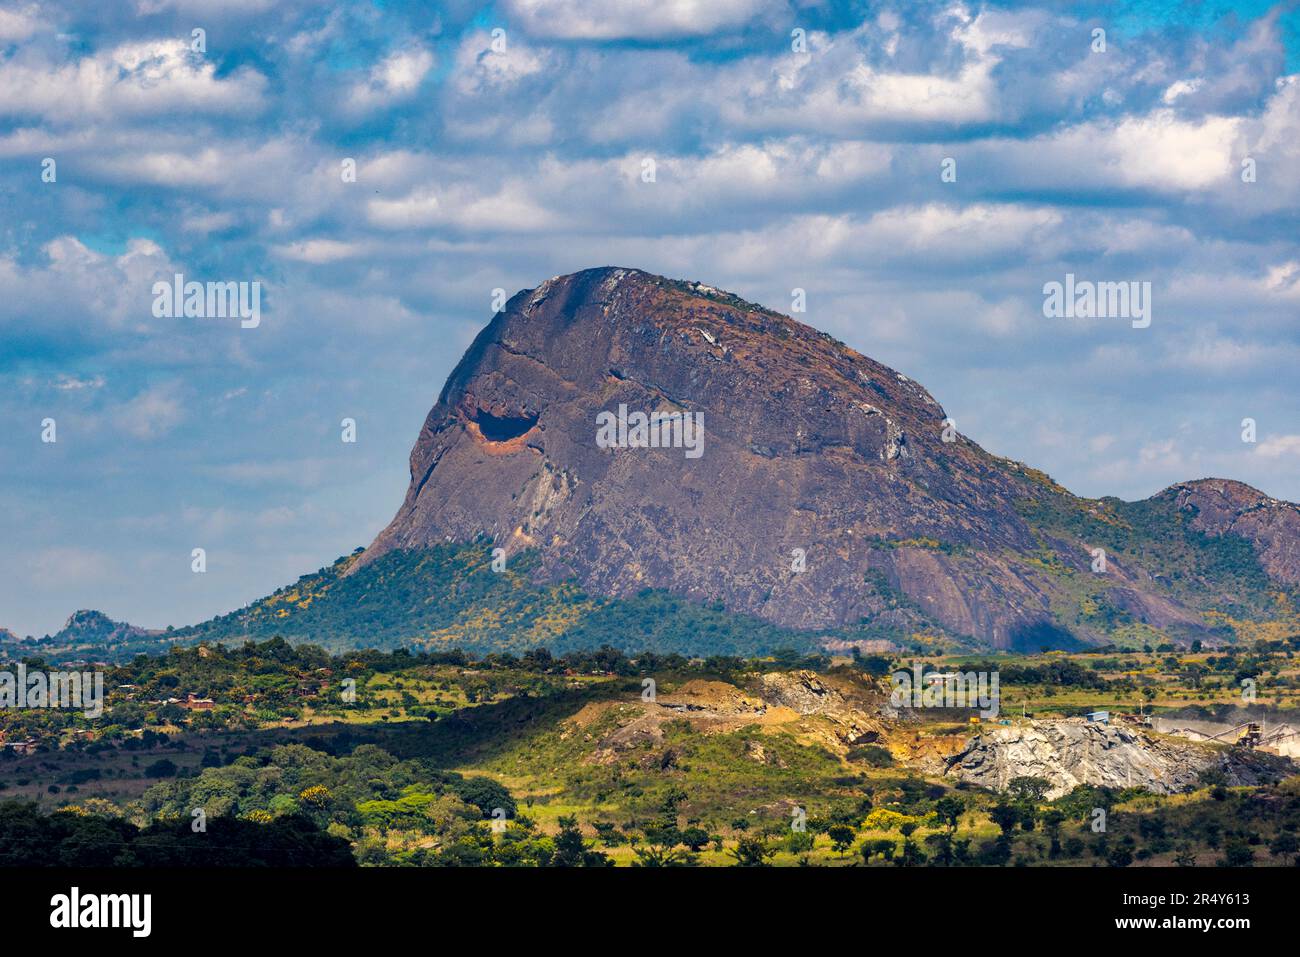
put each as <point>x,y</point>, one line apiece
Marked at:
<point>480,69</point>
<point>509,208</point>
<point>208,222</point>
<point>616,19</point>
<point>19,24</point>
<point>320,250</point>
<point>1157,151</point>
<point>975,229</point>
<point>842,88</point>
<point>151,414</point>
<point>1180,89</point>
<point>1283,280</point>
<point>273,168</point>
<point>72,383</point>
<point>1209,352</point>
<point>395,78</point>
<point>1279,447</point>
<point>80,290</point>
<point>132,80</point>
<point>204,6</point>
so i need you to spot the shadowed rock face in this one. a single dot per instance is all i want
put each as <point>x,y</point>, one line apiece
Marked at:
<point>807,445</point>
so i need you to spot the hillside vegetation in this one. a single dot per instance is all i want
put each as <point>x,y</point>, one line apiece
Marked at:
<point>449,596</point>
<point>599,758</point>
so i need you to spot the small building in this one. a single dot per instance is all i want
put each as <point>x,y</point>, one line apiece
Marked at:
<point>1097,717</point>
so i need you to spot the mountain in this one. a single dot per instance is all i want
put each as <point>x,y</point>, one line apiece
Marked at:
<point>903,524</point>
<point>86,634</point>
<point>824,502</point>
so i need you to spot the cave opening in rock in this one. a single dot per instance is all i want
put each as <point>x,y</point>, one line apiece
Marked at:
<point>502,428</point>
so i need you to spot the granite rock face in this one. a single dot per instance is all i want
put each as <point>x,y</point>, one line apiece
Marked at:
<point>807,445</point>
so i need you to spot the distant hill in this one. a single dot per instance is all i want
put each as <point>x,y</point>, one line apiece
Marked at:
<point>86,634</point>
<point>95,628</point>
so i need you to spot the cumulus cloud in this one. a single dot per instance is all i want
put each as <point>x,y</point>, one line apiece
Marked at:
<point>19,24</point>
<point>395,78</point>
<point>612,20</point>
<point>493,65</point>
<point>1281,446</point>
<point>129,81</point>
<point>76,289</point>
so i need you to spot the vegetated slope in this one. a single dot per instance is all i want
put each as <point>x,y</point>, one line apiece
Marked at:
<point>448,596</point>
<point>1167,576</point>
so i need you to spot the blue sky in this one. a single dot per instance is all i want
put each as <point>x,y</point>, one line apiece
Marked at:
<point>481,168</point>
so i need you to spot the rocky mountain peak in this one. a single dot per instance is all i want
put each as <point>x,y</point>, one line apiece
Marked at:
<point>821,490</point>
<point>91,626</point>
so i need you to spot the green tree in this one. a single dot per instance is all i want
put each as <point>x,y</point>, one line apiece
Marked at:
<point>751,852</point>
<point>1029,789</point>
<point>695,838</point>
<point>1053,818</point>
<point>572,851</point>
<point>949,811</point>
<point>1005,816</point>
<point>842,837</point>
<point>1237,853</point>
<point>1284,845</point>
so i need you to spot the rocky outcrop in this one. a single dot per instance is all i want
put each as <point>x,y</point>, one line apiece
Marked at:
<point>802,691</point>
<point>89,627</point>
<point>1223,507</point>
<point>1070,753</point>
<point>828,489</point>
<point>832,712</point>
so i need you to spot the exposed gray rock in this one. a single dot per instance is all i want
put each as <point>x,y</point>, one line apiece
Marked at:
<point>1070,753</point>
<point>801,691</point>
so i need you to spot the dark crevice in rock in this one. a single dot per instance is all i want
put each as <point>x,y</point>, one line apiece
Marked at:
<point>502,428</point>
